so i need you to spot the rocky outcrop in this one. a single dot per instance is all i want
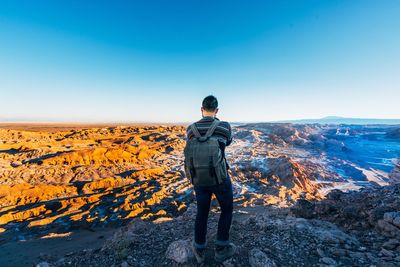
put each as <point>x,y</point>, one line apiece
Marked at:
<point>99,155</point>
<point>263,173</point>
<point>352,210</point>
<point>390,224</point>
<point>292,177</point>
<point>395,173</point>
<point>371,215</point>
<point>266,236</point>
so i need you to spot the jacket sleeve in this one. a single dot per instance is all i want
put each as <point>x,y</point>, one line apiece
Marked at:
<point>188,132</point>
<point>230,135</point>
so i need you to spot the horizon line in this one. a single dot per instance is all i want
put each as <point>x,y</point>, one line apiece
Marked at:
<point>105,122</point>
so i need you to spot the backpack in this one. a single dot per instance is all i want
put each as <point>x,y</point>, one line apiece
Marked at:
<point>204,161</point>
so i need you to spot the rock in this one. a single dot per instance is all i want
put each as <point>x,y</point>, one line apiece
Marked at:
<point>328,261</point>
<point>391,244</point>
<point>357,256</point>
<point>303,208</point>
<point>228,263</point>
<point>123,253</point>
<point>320,252</point>
<point>329,234</point>
<point>385,263</point>
<point>396,221</point>
<point>257,258</point>
<point>395,173</point>
<point>392,217</point>
<point>15,164</point>
<point>43,264</point>
<point>125,264</point>
<point>323,208</point>
<point>179,251</point>
<point>339,252</point>
<point>190,212</point>
<point>346,261</point>
<point>293,177</point>
<point>387,253</point>
<point>350,213</point>
<point>370,257</point>
<point>335,194</point>
<point>388,228</point>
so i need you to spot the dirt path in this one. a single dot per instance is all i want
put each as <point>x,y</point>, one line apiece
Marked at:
<point>26,253</point>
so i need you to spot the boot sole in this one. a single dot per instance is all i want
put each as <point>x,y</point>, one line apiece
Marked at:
<point>199,259</point>
<point>222,259</point>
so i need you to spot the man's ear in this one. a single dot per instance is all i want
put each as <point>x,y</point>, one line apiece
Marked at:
<point>216,111</point>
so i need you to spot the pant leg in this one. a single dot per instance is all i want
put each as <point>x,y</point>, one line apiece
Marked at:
<point>203,197</point>
<point>224,196</point>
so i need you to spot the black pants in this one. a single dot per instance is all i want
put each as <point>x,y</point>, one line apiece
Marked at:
<point>224,195</point>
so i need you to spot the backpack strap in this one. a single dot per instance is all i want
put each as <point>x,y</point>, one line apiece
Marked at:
<point>210,131</point>
<point>195,130</point>
<point>212,128</point>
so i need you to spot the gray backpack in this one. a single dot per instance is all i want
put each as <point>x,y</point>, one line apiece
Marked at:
<point>204,162</point>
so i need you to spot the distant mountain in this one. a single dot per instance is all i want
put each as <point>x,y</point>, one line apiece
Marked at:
<point>342,120</point>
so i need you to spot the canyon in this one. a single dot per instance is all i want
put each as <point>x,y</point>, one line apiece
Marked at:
<point>59,180</point>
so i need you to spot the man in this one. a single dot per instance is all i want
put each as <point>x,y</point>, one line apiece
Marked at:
<point>220,131</point>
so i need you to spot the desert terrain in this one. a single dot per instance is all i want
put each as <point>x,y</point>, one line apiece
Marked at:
<point>80,195</point>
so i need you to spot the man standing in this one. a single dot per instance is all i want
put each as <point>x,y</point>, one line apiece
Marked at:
<point>206,167</point>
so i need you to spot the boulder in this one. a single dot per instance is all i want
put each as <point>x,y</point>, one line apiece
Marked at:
<point>180,251</point>
<point>257,258</point>
<point>391,244</point>
<point>393,218</point>
<point>390,224</point>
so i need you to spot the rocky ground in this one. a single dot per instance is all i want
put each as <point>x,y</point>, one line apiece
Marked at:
<point>345,229</point>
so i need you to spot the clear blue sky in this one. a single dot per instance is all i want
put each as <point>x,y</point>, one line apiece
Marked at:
<point>156,60</point>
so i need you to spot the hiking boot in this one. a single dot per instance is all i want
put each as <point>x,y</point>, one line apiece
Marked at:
<point>223,253</point>
<point>199,253</point>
